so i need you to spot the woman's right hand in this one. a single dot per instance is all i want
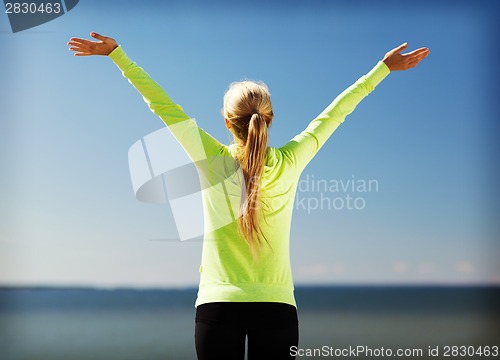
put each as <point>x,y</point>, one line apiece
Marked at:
<point>83,47</point>
<point>396,61</point>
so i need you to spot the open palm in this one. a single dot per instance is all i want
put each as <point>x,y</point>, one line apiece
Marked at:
<point>397,61</point>
<point>83,47</point>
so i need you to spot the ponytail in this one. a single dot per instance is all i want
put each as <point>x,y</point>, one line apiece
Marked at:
<point>252,165</point>
<point>247,106</point>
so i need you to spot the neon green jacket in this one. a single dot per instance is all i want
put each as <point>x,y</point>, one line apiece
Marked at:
<point>228,271</point>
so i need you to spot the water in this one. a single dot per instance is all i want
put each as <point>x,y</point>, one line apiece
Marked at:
<point>56,323</point>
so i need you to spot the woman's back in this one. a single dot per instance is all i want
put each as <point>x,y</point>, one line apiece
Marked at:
<point>229,272</point>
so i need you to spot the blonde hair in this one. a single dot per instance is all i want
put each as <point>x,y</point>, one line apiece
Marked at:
<point>247,107</point>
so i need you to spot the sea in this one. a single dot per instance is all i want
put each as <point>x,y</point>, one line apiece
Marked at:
<point>343,322</point>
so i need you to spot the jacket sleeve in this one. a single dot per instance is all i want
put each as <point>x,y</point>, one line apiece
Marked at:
<point>198,144</point>
<point>304,146</point>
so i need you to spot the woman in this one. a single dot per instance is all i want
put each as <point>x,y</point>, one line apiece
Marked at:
<point>246,287</point>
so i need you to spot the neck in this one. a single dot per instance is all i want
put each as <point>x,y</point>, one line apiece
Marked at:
<point>237,141</point>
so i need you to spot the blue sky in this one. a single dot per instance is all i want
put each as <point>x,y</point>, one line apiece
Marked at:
<point>68,212</point>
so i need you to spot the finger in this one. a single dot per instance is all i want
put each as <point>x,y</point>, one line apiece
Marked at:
<point>78,46</point>
<point>80,40</point>
<point>419,56</point>
<point>76,43</point>
<point>98,36</point>
<point>79,50</point>
<point>417,51</point>
<point>400,48</point>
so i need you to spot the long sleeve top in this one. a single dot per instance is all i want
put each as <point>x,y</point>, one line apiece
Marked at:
<point>228,271</point>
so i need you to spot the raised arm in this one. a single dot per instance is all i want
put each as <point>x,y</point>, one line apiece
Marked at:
<point>197,143</point>
<point>303,147</point>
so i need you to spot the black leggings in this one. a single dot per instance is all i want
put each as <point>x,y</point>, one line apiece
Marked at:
<point>222,327</point>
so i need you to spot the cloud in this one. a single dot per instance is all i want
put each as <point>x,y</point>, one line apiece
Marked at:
<point>465,267</point>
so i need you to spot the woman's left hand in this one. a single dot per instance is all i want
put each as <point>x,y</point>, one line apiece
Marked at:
<point>83,47</point>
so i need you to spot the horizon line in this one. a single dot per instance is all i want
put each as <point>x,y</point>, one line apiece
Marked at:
<point>6,286</point>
